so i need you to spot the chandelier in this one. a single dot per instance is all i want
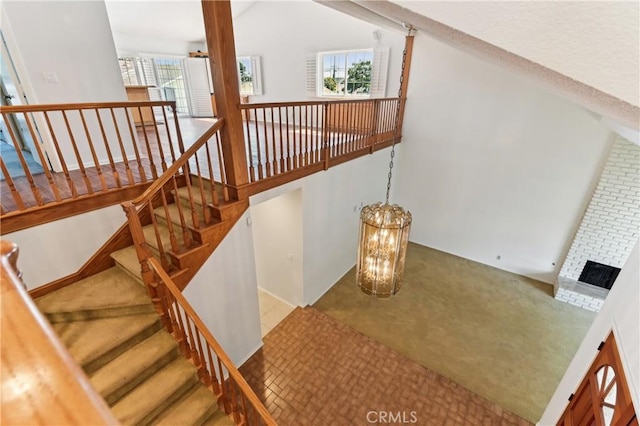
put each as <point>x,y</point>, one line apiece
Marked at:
<point>384,230</point>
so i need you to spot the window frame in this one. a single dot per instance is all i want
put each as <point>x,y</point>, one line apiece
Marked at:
<point>321,70</point>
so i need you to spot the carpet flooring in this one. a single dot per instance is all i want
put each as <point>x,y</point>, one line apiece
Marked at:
<point>500,335</point>
<point>13,164</point>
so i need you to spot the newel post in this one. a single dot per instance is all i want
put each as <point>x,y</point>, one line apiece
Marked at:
<point>148,277</point>
<point>218,25</point>
<point>10,251</point>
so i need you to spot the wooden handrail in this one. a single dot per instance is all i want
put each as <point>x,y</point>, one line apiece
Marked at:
<point>302,103</point>
<point>244,388</point>
<point>41,383</point>
<point>85,105</point>
<point>177,165</point>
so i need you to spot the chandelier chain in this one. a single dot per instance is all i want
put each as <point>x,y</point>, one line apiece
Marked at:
<point>397,126</point>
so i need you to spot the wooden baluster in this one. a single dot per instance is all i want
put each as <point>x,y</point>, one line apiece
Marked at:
<point>374,124</point>
<point>164,260</point>
<point>125,158</point>
<point>282,154</point>
<point>107,147</point>
<point>186,236</point>
<point>326,153</point>
<point>274,163</point>
<point>43,159</point>
<point>299,137</point>
<point>289,156</point>
<point>184,338</point>
<point>224,387</point>
<point>193,355</point>
<point>215,384</point>
<point>163,161</point>
<point>23,162</point>
<point>307,142</point>
<point>152,165</point>
<point>169,139</point>
<point>258,150</point>
<point>266,141</point>
<point>234,402</point>
<point>173,240</point>
<point>192,204</point>
<point>74,145</point>
<point>94,156</point>
<point>174,110</point>
<point>223,174</point>
<point>214,193</point>
<point>252,170</point>
<point>63,163</point>
<point>134,142</point>
<point>12,187</point>
<point>245,413</point>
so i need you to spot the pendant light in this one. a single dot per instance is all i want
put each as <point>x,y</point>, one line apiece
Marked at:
<point>384,229</point>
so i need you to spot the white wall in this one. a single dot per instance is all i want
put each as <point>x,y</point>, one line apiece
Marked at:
<point>492,165</point>
<point>595,43</point>
<point>620,313</point>
<point>284,33</point>
<point>277,239</point>
<point>69,38</point>
<point>331,202</point>
<point>60,248</point>
<point>224,294</point>
<point>135,45</point>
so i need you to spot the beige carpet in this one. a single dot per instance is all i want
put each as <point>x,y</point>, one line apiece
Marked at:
<point>500,335</point>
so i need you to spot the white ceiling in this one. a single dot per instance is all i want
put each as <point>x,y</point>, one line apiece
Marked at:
<point>172,20</point>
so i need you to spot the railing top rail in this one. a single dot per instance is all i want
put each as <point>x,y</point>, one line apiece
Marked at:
<point>221,354</point>
<point>303,103</point>
<point>85,105</point>
<point>180,162</point>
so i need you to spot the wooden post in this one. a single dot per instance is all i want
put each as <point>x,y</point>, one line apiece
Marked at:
<point>218,24</point>
<point>10,251</point>
<point>404,82</point>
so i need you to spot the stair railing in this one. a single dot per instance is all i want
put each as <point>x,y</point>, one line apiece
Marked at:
<point>41,383</point>
<point>197,179</point>
<point>215,368</point>
<point>79,157</point>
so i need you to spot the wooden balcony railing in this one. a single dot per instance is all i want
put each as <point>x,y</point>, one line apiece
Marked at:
<point>215,368</point>
<point>41,383</point>
<point>85,154</point>
<point>287,140</point>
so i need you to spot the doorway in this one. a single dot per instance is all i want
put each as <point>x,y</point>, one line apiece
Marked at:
<point>277,239</point>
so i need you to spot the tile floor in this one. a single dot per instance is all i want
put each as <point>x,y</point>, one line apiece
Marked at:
<point>314,370</point>
<point>272,311</point>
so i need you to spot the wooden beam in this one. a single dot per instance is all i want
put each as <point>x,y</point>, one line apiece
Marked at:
<point>404,84</point>
<point>218,24</point>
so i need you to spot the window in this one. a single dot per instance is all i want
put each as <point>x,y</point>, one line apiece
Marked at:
<point>348,73</point>
<point>249,75</point>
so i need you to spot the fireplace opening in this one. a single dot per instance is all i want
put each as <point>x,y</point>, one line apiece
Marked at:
<point>599,275</point>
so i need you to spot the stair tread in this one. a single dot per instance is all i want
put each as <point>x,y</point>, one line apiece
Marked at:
<point>194,409</point>
<point>127,258</point>
<point>183,193</point>
<point>156,393</point>
<point>174,214</point>
<point>117,377</point>
<point>108,291</point>
<point>88,341</point>
<point>151,239</point>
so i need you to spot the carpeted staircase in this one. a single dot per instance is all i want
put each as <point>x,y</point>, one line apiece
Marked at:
<point>109,324</point>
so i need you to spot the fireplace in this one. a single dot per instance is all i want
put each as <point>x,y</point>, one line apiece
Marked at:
<point>599,274</point>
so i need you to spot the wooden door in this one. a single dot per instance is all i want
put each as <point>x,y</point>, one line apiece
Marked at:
<point>603,398</point>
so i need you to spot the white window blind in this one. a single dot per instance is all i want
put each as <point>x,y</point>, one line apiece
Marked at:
<point>198,78</point>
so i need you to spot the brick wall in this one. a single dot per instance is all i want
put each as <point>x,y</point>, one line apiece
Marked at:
<point>611,224</point>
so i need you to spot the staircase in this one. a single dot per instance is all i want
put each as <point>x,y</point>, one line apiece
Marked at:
<point>110,325</point>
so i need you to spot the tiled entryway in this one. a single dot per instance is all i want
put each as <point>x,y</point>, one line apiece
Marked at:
<point>314,370</point>
<point>272,311</point>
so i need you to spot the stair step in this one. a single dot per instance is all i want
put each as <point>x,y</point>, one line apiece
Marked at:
<point>157,393</point>
<point>106,294</point>
<point>219,418</point>
<point>174,214</point>
<point>127,259</point>
<point>124,373</point>
<point>194,409</point>
<point>95,342</point>
<point>149,232</point>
